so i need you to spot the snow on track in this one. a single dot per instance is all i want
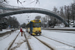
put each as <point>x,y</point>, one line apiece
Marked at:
<point>6,42</point>
<point>5,36</point>
<point>35,44</point>
<point>20,43</point>
<point>61,36</point>
<point>54,44</point>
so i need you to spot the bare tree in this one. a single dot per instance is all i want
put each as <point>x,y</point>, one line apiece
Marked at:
<point>18,1</point>
<point>61,12</point>
<point>12,21</point>
<point>37,17</point>
<point>55,10</point>
<point>23,25</point>
<point>73,11</point>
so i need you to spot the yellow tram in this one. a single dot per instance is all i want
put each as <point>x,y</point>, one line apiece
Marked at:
<point>34,27</point>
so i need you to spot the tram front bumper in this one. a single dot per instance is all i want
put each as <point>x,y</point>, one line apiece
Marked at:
<point>36,33</point>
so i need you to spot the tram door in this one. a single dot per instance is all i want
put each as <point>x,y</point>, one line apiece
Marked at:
<point>31,27</point>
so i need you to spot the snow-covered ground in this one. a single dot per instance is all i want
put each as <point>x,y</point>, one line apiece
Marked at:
<point>4,30</point>
<point>63,36</point>
<point>4,43</point>
<point>20,43</point>
<point>66,37</point>
<point>55,45</point>
<point>5,36</point>
<point>35,44</point>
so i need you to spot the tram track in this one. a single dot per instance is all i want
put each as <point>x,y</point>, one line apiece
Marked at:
<point>59,41</point>
<point>12,42</point>
<point>29,48</point>
<point>50,46</point>
<point>45,43</point>
<point>59,45</point>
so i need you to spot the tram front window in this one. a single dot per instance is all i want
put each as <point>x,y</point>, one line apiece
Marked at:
<point>37,25</point>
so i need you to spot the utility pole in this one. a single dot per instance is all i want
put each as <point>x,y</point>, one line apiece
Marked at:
<point>68,15</point>
<point>73,12</point>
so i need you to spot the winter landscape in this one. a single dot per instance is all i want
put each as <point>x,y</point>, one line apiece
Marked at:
<point>37,24</point>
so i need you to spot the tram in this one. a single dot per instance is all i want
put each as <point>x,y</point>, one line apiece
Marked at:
<point>34,27</point>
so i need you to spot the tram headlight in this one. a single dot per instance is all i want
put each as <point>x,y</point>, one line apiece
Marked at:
<point>39,31</point>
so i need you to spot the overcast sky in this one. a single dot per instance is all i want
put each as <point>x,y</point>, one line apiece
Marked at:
<point>45,4</point>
